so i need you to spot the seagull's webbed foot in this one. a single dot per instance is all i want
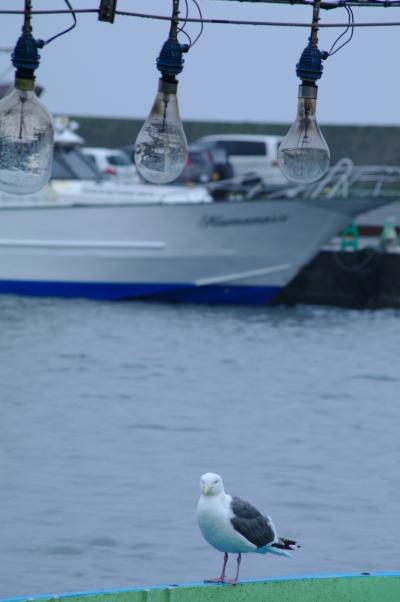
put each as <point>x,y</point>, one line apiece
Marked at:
<point>222,580</point>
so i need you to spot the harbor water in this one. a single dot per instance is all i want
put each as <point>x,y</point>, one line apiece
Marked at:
<point>110,412</point>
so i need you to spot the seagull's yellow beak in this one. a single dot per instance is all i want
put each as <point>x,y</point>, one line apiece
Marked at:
<point>206,489</point>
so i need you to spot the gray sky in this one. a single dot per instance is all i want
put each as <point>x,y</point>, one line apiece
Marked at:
<point>233,73</point>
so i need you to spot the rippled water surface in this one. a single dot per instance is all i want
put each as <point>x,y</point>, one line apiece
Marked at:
<point>111,412</point>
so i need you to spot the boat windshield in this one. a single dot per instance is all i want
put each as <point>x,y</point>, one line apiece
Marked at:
<point>69,163</point>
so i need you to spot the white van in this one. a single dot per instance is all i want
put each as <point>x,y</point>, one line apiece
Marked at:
<point>251,154</point>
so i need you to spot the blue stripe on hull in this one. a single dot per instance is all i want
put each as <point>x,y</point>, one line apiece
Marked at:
<point>235,295</point>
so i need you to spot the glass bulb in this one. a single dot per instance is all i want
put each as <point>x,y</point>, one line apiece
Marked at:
<point>161,147</point>
<point>26,141</point>
<point>303,154</point>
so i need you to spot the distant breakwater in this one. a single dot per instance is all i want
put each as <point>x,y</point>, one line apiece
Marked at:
<point>364,144</point>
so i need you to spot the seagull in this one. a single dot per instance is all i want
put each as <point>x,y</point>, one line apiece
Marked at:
<point>233,526</point>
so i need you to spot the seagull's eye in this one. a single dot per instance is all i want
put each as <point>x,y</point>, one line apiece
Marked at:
<point>216,482</point>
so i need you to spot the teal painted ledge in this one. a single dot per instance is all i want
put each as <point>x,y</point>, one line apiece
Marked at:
<point>305,588</point>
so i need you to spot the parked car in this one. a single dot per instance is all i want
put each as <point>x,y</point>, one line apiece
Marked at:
<point>129,149</point>
<point>199,168</point>
<point>247,153</point>
<point>222,165</point>
<point>206,162</point>
<point>111,162</point>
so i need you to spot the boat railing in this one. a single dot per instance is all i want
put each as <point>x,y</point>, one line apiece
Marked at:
<point>377,181</point>
<point>336,181</point>
<point>345,179</point>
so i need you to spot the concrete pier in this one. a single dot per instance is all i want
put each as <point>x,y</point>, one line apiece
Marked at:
<point>368,278</point>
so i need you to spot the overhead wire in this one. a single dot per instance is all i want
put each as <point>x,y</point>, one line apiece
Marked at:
<point>202,20</point>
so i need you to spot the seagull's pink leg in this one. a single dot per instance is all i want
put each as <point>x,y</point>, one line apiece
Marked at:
<point>236,579</point>
<point>221,578</point>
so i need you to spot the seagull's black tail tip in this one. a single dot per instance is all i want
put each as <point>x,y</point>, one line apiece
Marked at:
<point>286,544</point>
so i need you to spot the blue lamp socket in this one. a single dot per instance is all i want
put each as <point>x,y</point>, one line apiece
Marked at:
<point>170,60</point>
<point>25,57</point>
<point>309,68</point>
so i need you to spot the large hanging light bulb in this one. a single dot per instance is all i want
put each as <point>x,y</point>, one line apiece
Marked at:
<point>26,126</point>
<point>161,147</point>
<point>303,154</point>
<point>26,141</point>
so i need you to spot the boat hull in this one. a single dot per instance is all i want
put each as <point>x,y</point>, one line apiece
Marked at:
<point>228,252</point>
<point>233,295</point>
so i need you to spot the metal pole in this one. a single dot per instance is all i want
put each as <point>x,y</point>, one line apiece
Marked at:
<point>314,26</point>
<point>27,28</point>
<point>173,34</point>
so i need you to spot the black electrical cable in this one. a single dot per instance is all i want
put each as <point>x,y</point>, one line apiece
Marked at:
<point>349,26</point>
<point>72,12</point>
<point>201,21</point>
<point>185,21</point>
<point>182,28</point>
<point>185,17</point>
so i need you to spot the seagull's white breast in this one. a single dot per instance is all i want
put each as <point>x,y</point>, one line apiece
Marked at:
<point>214,517</point>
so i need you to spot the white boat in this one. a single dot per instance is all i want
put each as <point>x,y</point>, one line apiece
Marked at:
<point>82,237</point>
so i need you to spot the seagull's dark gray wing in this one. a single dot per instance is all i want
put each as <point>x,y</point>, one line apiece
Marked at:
<point>250,523</point>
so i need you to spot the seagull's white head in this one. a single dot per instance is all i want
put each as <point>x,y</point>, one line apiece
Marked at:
<point>211,484</point>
